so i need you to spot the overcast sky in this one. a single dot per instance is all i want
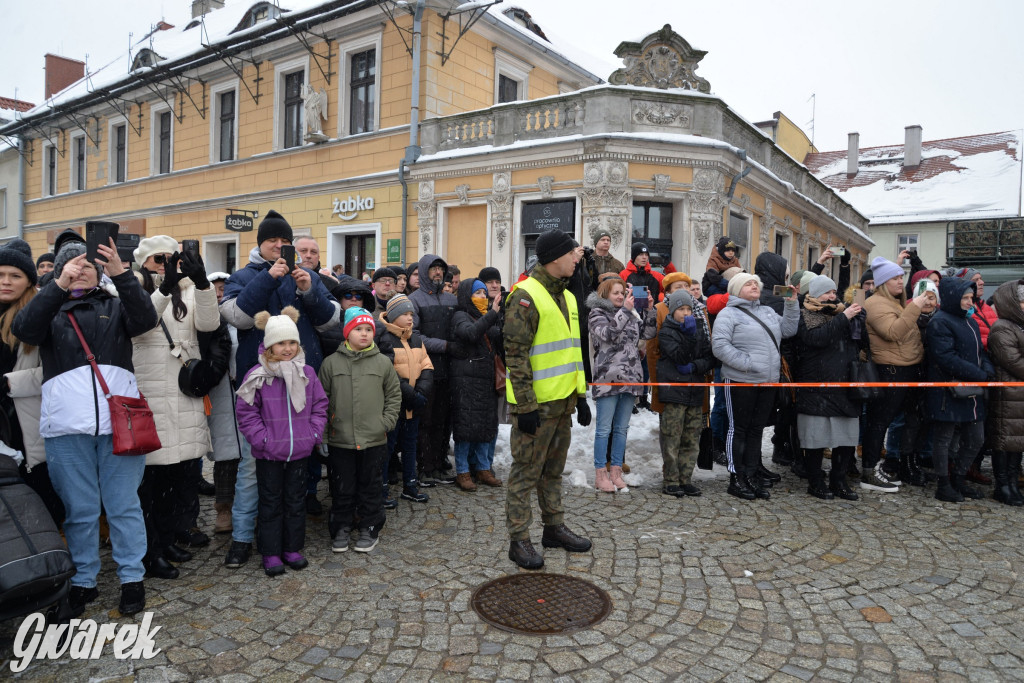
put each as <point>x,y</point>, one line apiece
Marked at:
<point>875,66</point>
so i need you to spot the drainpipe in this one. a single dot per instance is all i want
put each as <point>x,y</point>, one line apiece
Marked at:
<point>21,187</point>
<point>742,154</point>
<point>412,152</point>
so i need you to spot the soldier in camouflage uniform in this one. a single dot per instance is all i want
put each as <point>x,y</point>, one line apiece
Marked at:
<point>541,429</point>
<point>685,356</point>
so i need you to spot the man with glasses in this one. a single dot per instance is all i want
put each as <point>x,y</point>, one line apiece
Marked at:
<point>265,284</point>
<point>384,281</point>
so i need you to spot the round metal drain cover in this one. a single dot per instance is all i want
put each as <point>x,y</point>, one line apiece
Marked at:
<point>541,604</point>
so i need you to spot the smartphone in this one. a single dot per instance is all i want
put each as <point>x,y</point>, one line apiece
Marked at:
<point>288,254</point>
<point>97,233</point>
<point>782,290</point>
<point>859,296</point>
<point>191,246</point>
<point>126,244</point>
<point>839,251</point>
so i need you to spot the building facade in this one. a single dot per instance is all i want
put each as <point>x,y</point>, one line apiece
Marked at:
<point>253,107</point>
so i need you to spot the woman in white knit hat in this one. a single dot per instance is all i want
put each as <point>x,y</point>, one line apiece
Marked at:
<point>186,304</point>
<point>746,338</point>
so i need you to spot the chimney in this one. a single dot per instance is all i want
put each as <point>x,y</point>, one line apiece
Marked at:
<point>853,153</point>
<point>912,147</point>
<point>61,72</point>
<point>201,7</point>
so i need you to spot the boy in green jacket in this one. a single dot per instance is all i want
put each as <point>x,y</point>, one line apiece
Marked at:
<point>364,399</point>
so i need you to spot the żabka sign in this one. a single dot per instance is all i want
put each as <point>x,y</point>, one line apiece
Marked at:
<point>238,222</point>
<point>347,209</point>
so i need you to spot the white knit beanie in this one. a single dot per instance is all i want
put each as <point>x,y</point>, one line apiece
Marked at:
<point>739,280</point>
<point>884,270</point>
<point>158,244</point>
<point>278,328</point>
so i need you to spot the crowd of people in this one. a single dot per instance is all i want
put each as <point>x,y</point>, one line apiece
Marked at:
<point>402,379</point>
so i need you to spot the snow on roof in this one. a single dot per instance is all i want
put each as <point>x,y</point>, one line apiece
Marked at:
<point>970,177</point>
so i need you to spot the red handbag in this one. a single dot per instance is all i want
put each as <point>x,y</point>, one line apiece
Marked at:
<point>134,429</point>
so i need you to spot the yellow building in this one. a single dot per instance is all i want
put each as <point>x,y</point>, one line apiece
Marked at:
<point>306,109</point>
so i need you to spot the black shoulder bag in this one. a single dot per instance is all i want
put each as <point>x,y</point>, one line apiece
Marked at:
<point>196,377</point>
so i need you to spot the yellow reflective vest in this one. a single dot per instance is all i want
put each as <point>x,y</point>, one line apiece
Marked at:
<point>556,358</point>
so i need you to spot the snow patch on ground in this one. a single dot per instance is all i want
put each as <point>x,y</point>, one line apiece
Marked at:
<point>643,453</point>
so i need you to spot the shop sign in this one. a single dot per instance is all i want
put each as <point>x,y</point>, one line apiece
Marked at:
<point>347,209</point>
<point>394,250</point>
<point>538,217</point>
<point>238,222</point>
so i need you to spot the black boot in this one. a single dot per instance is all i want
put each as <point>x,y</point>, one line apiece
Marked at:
<point>175,554</point>
<point>959,482</point>
<point>1013,474</point>
<point>945,491</point>
<point>781,455</point>
<point>755,482</point>
<point>910,473</point>
<point>739,487</point>
<point>159,568</point>
<point>766,474</point>
<point>1001,475</point>
<point>838,484</point>
<point>799,467</point>
<point>525,555</point>
<point>816,487</point>
<point>718,453</point>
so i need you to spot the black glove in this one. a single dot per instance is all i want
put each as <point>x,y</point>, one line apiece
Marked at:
<point>529,422</point>
<point>845,258</point>
<point>171,275</point>
<point>408,394</point>
<point>420,400</point>
<point>582,412</point>
<point>713,276</point>
<point>193,267</point>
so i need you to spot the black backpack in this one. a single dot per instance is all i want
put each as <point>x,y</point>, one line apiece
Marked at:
<point>35,565</point>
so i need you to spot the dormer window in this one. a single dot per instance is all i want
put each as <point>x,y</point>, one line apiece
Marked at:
<point>257,13</point>
<point>145,58</point>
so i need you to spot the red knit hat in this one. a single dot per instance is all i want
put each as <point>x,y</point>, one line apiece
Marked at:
<point>354,317</point>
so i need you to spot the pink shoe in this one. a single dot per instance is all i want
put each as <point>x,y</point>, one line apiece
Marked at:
<point>602,482</point>
<point>617,481</point>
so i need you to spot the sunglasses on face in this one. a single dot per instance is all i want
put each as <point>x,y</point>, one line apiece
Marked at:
<point>350,295</point>
<point>160,259</point>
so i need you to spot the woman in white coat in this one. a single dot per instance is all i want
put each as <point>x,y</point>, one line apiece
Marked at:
<point>186,304</point>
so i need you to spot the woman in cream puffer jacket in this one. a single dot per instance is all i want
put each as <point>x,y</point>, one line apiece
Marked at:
<point>186,304</point>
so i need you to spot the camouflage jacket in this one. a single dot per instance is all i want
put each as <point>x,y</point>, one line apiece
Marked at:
<point>521,321</point>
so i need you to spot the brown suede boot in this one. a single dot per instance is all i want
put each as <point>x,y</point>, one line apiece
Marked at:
<point>222,524</point>
<point>465,482</point>
<point>487,478</point>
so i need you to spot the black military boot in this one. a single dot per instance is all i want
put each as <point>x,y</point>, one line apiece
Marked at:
<point>837,481</point>
<point>525,555</point>
<point>739,487</point>
<point>944,491</point>
<point>959,482</point>
<point>1001,474</point>
<point>559,536</point>
<point>757,484</point>
<point>910,473</point>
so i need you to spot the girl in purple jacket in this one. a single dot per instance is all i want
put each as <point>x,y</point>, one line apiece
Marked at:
<point>282,411</point>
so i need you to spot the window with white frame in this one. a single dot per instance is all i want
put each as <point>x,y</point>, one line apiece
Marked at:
<point>78,163</point>
<point>359,85</point>
<point>782,244</point>
<point>224,122</point>
<point>739,232</point>
<point>49,170</point>
<point>118,140</point>
<point>289,77</point>
<point>220,253</point>
<point>161,143</point>
<point>907,242</point>
<point>511,77</point>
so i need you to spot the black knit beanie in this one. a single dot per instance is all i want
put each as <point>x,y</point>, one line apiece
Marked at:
<point>868,275</point>
<point>68,235</point>
<point>489,273</point>
<point>384,272</point>
<point>273,225</point>
<point>551,245</point>
<point>638,248</point>
<point>45,258</point>
<point>18,254</point>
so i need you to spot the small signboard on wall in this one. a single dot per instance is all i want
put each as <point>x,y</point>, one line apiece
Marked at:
<point>538,217</point>
<point>394,251</point>
<point>238,222</point>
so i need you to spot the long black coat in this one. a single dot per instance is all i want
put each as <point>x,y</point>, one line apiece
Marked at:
<point>825,349</point>
<point>955,354</point>
<point>676,348</point>
<point>471,366</point>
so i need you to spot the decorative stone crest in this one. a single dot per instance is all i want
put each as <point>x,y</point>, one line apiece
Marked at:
<point>661,114</point>
<point>617,174</point>
<point>661,60</point>
<point>463,193</point>
<point>744,200</point>
<point>426,214</point>
<point>544,183</point>
<point>501,208</point>
<point>502,182</point>
<point>661,181</point>
<point>592,174</point>
<point>706,180</point>
<point>426,191</point>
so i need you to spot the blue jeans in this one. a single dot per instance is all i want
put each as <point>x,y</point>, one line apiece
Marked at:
<point>86,473</point>
<point>247,497</point>
<point>613,413</point>
<point>718,415</point>
<point>403,436</point>
<point>478,453</point>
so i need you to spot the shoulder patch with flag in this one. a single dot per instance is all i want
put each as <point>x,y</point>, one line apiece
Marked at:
<point>525,303</point>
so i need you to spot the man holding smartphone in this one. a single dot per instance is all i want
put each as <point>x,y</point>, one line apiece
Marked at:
<point>267,284</point>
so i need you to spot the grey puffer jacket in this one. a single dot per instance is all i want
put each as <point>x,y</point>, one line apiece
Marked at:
<point>747,352</point>
<point>614,344</point>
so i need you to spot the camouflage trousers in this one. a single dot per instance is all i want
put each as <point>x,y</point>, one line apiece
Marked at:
<point>680,442</point>
<point>537,463</point>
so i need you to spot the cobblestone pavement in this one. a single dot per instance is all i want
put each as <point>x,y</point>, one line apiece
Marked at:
<point>703,589</point>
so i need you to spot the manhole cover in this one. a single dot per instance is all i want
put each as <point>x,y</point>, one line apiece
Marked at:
<point>541,603</point>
